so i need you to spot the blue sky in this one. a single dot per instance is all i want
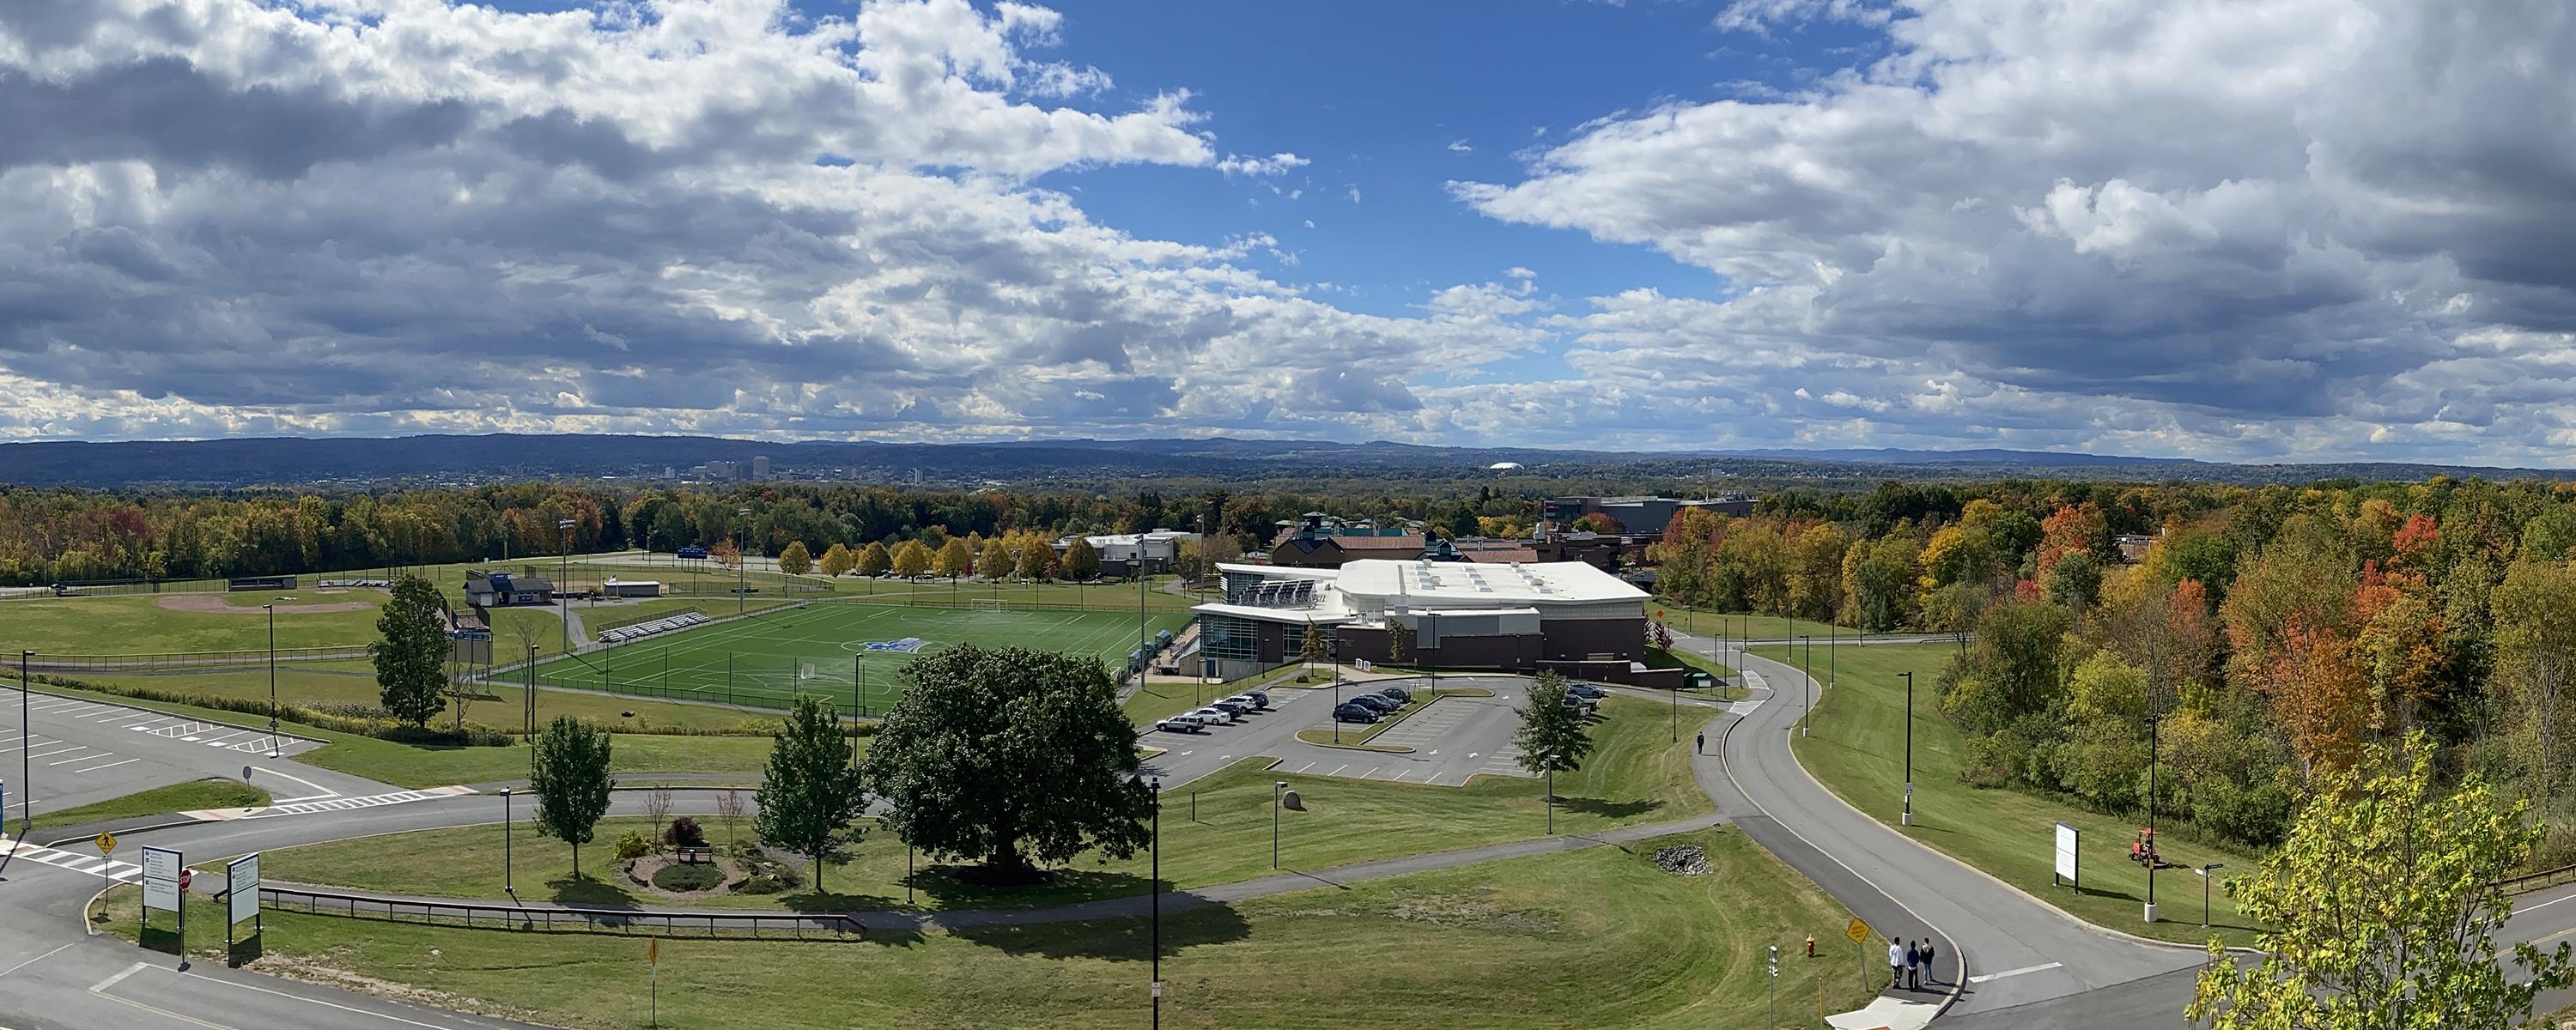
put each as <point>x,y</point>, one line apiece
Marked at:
<point>1660,224</point>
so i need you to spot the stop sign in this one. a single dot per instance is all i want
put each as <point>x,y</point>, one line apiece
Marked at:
<point>185,875</point>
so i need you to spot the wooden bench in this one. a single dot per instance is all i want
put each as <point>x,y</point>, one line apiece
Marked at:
<point>692,856</point>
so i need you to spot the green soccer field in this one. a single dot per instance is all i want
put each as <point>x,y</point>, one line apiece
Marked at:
<point>766,661</point>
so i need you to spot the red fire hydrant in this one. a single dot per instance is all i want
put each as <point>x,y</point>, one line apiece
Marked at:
<point>1811,945</point>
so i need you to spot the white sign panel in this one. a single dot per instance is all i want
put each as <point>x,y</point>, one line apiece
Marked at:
<point>2066,836</point>
<point>161,878</point>
<point>241,881</point>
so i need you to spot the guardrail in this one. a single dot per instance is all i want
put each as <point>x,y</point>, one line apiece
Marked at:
<point>486,915</point>
<point>2529,882</point>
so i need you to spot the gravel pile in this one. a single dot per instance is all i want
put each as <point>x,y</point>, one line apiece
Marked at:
<point>1687,860</point>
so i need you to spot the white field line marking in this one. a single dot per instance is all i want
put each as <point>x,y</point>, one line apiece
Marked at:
<point>2013,972</point>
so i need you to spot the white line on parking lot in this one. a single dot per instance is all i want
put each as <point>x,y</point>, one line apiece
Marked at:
<point>82,758</point>
<point>1338,772</point>
<point>110,765</point>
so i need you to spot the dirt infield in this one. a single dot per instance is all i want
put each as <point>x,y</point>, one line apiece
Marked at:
<point>213,604</point>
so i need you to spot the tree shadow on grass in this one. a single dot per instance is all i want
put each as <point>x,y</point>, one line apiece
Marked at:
<point>824,901</point>
<point>952,886</point>
<point>586,892</point>
<point>1607,809</point>
<point>1127,939</point>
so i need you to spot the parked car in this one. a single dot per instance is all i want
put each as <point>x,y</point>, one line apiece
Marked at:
<point>1234,706</point>
<point>1349,712</point>
<point>1585,704</point>
<point>1251,702</point>
<point>1260,698</point>
<point>1581,689</point>
<point>1216,716</point>
<point>1378,703</point>
<point>1181,724</point>
<point>1396,694</point>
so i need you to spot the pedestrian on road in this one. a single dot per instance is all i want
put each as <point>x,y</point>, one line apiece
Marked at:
<point>1699,744</point>
<point>1895,963</point>
<point>1927,964</point>
<point>1913,966</point>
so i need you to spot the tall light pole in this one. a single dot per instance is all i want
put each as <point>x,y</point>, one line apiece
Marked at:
<point>1278,788</point>
<point>26,764</point>
<point>1806,719</point>
<point>563,570</point>
<point>531,719</point>
<point>271,609</point>
<point>1154,788</point>
<point>2152,861</point>
<point>1908,818</point>
<point>742,562</point>
<point>508,885</point>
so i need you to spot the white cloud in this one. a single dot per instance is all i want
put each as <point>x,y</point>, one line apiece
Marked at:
<point>1275,164</point>
<point>1459,146</point>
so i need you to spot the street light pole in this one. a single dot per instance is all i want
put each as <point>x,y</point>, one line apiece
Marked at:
<point>1277,788</point>
<point>1155,787</point>
<point>1806,671</point>
<point>1908,818</point>
<point>508,885</point>
<point>2152,860</point>
<point>272,678</point>
<point>563,574</point>
<point>530,721</point>
<point>742,563</point>
<point>26,764</point>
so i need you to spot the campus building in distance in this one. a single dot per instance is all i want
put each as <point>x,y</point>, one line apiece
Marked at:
<point>1567,616</point>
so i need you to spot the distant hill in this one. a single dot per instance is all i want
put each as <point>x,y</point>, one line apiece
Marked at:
<point>455,460</point>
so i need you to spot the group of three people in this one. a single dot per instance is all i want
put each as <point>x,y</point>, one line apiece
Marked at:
<point>1909,964</point>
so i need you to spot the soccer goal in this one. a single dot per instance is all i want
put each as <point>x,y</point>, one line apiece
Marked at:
<point>986,604</point>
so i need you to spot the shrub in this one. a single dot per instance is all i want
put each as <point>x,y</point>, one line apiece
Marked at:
<point>685,833</point>
<point>696,877</point>
<point>760,885</point>
<point>632,845</point>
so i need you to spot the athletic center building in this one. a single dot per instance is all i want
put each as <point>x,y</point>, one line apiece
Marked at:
<point>1518,617</point>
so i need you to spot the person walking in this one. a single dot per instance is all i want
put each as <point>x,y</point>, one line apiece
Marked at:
<point>1699,744</point>
<point>1913,966</point>
<point>1928,971</point>
<point>1895,963</point>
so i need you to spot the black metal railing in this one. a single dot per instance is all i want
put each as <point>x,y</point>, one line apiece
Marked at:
<point>555,918</point>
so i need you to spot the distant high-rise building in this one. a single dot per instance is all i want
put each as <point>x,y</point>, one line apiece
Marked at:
<point>760,466</point>
<point>916,477</point>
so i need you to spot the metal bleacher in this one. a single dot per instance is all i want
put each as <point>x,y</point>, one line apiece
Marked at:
<point>640,630</point>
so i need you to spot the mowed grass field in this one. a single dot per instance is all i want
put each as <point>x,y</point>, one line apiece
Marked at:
<point>1858,751</point>
<point>1593,938</point>
<point>169,623</point>
<point>769,659</point>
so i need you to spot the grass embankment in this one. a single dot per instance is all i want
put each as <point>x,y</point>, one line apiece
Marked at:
<point>1635,774</point>
<point>177,797</point>
<point>1738,626</point>
<point>1858,750</point>
<point>408,765</point>
<point>1591,938</point>
<point>159,624</point>
<point>1112,596</point>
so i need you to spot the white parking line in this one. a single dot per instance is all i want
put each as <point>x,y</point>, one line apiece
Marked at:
<point>83,758</point>
<point>41,754</point>
<point>110,765</point>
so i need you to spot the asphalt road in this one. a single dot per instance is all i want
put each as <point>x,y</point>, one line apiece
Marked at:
<point>1453,738</point>
<point>81,751</point>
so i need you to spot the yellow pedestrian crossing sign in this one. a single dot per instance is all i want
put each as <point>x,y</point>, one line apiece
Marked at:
<point>653,951</point>
<point>1858,931</point>
<point>106,843</point>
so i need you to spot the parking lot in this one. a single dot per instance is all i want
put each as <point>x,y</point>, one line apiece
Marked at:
<point>78,751</point>
<point>1453,738</point>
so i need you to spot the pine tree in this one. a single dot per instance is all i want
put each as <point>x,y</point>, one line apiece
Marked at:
<point>411,653</point>
<point>572,782</point>
<point>812,795</point>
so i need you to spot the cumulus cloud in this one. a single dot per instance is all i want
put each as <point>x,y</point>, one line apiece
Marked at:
<point>223,217</point>
<point>2303,228</point>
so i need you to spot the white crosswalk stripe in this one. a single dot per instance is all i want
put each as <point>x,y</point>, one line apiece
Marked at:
<point>372,801</point>
<point>126,872</point>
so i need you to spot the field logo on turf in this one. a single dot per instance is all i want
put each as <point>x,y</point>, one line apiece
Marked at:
<point>907,645</point>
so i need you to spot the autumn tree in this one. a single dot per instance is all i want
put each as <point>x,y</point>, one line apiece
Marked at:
<point>2535,667</point>
<point>873,560</point>
<point>1035,557</point>
<point>724,553</point>
<point>1879,578</point>
<point>912,560</point>
<point>2383,905</point>
<point>954,558</point>
<point>1816,572</point>
<point>996,560</point>
<point>836,561</point>
<point>795,560</point>
<point>1082,561</point>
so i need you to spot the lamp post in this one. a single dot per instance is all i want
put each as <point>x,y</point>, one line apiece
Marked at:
<point>742,563</point>
<point>271,609</point>
<point>1908,818</point>
<point>1278,788</point>
<point>1154,788</point>
<point>508,885</point>
<point>1806,719</point>
<point>2152,860</point>
<point>530,721</point>
<point>563,576</point>
<point>26,764</point>
<point>2204,891</point>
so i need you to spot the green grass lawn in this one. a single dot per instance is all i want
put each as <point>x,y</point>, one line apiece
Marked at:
<point>498,704</point>
<point>147,624</point>
<point>177,797</point>
<point>1591,938</point>
<point>1709,622</point>
<point>1858,751</point>
<point>408,765</point>
<point>765,660</point>
<point>1113,596</point>
<point>1636,774</point>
